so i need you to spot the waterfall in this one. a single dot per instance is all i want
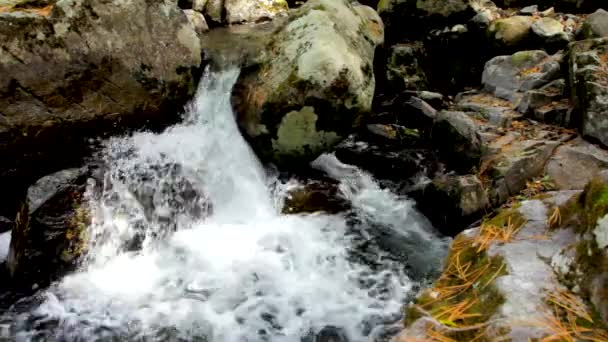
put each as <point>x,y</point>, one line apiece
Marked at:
<point>188,244</point>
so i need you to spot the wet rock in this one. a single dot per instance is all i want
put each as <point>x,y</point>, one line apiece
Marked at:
<point>316,80</point>
<point>239,11</point>
<point>456,136</point>
<point>575,164</point>
<point>331,334</point>
<point>314,197</point>
<point>452,202</point>
<point>50,232</point>
<point>404,67</point>
<point>596,25</point>
<point>79,69</point>
<point>588,65</point>
<point>508,77</point>
<point>394,162</point>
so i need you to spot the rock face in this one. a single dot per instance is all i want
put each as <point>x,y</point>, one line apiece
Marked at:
<point>50,230</point>
<point>499,275</point>
<point>238,11</point>
<point>74,70</point>
<point>459,138</point>
<point>316,81</point>
<point>596,25</point>
<point>508,77</point>
<point>452,201</point>
<point>588,64</point>
<point>576,163</point>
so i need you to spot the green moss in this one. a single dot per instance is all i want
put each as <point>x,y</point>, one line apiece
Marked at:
<point>522,58</point>
<point>298,136</point>
<point>508,216</point>
<point>583,211</point>
<point>486,297</point>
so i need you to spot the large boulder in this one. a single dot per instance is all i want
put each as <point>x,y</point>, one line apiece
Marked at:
<point>457,137</point>
<point>596,25</point>
<point>76,69</point>
<point>50,231</point>
<point>315,81</point>
<point>509,77</point>
<point>576,163</point>
<point>238,11</point>
<point>588,65</point>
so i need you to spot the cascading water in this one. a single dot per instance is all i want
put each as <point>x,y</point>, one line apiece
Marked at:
<point>188,244</point>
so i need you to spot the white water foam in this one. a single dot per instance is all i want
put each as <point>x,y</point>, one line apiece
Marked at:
<point>234,270</point>
<point>5,242</point>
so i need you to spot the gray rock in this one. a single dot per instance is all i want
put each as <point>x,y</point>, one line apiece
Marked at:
<point>576,163</point>
<point>49,235</point>
<point>588,65</point>
<point>315,81</point>
<point>494,110</point>
<point>547,103</point>
<point>239,11</point>
<point>456,135</point>
<point>513,167</point>
<point>596,25</point>
<point>508,77</point>
<point>550,32</point>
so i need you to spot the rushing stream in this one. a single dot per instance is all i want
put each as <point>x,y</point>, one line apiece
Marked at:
<point>188,243</point>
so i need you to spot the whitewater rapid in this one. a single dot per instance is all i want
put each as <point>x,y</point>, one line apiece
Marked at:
<point>188,243</point>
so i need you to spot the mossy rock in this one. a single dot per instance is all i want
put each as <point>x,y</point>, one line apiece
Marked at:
<point>50,234</point>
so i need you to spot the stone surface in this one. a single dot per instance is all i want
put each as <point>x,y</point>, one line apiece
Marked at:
<point>316,80</point>
<point>197,20</point>
<point>516,286</point>
<point>576,163</point>
<point>239,11</point>
<point>455,133</point>
<point>451,202</point>
<point>512,31</point>
<point>588,63</point>
<point>508,77</point>
<point>314,197</point>
<point>394,162</point>
<point>596,25</point>
<point>550,33</point>
<point>84,68</point>
<point>50,232</point>
<point>517,163</point>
